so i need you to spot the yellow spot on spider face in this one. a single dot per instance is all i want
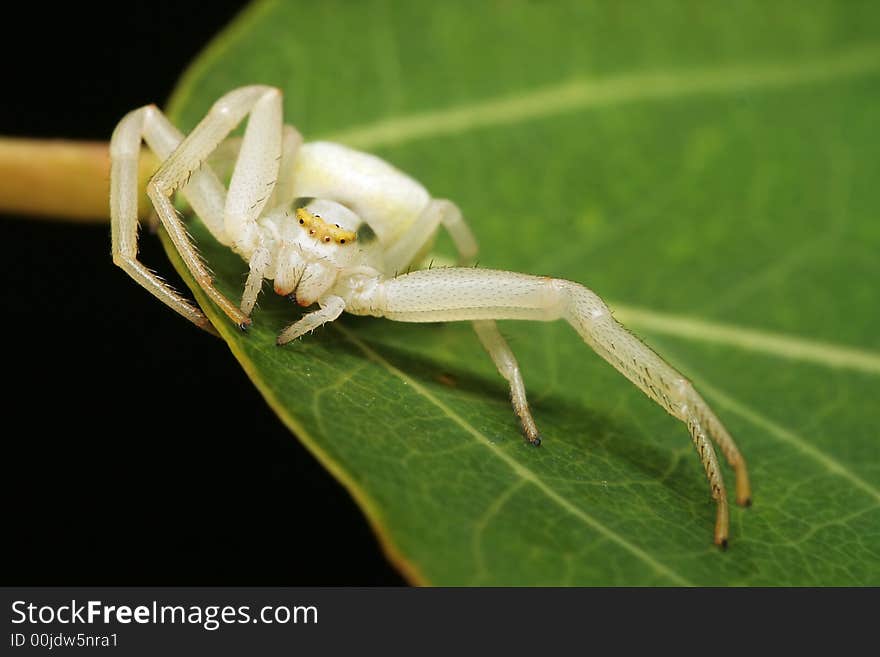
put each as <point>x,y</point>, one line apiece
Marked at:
<point>322,230</point>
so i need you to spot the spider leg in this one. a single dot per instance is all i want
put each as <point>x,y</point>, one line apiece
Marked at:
<point>438,212</point>
<point>446,213</point>
<point>204,192</point>
<point>282,196</point>
<point>258,267</point>
<point>252,180</point>
<point>285,190</point>
<point>481,294</point>
<point>331,308</point>
<point>224,158</point>
<point>495,344</point>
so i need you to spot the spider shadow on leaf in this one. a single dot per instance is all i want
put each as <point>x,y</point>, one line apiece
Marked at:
<point>576,435</point>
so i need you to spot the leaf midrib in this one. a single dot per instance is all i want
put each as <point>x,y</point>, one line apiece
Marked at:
<point>581,93</point>
<point>779,432</point>
<point>781,345</point>
<point>785,435</point>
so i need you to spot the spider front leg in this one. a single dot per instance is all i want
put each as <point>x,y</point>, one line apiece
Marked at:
<point>282,196</point>
<point>331,307</point>
<point>252,185</point>
<point>446,213</point>
<point>204,192</point>
<point>442,295</point>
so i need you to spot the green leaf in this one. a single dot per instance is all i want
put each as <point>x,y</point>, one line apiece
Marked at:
<point>709,169</point>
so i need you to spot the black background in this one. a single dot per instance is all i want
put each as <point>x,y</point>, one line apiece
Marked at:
<point>135,450</point>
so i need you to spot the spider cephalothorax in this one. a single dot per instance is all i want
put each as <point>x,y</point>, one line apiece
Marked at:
<point>305,252</point>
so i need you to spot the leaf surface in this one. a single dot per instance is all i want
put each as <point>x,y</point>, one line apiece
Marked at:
<point>710,171</point>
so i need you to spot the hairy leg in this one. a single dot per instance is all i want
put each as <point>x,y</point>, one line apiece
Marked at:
<point>282,195</point>
<point>446,213</point>
<point>252,180</point>
<point>204,192</point>
<point>331,308</point>
<point>438,212</point>
<point>479,294</point>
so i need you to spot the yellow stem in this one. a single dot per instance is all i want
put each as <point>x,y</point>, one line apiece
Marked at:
<point>61,180</point>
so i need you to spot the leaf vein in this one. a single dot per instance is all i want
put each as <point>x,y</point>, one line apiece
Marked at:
<point>579,94</point>
<point>782,345</point>
<point>482,523</point>
<point>518,468</point>
<point>780,432</point>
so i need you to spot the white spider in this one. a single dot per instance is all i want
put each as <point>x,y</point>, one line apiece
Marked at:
<point>334,226</point>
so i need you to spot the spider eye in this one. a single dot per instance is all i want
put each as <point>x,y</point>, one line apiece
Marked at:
<point>301,222</point>
<point>327,239</point>
<point>342,241</point>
